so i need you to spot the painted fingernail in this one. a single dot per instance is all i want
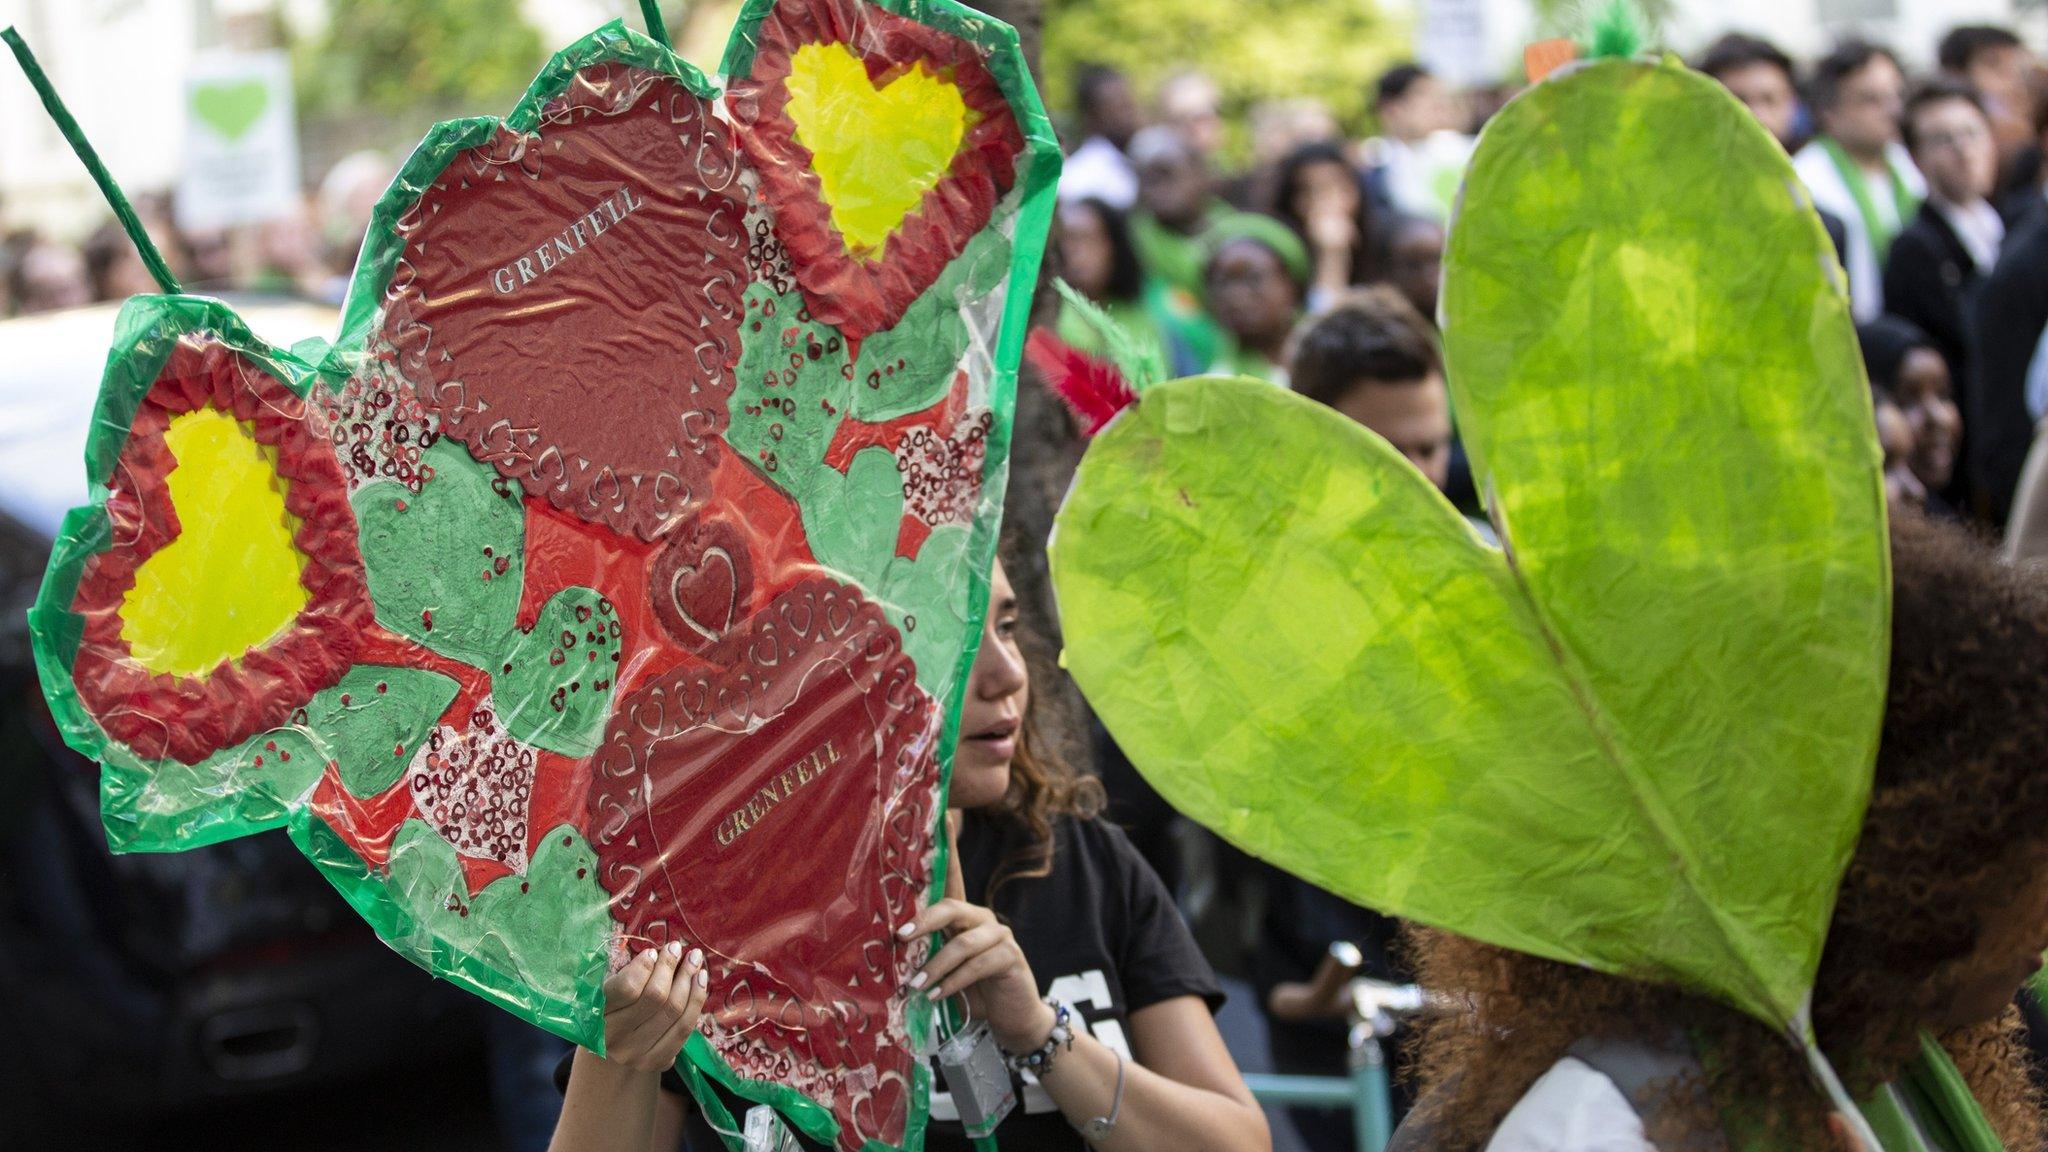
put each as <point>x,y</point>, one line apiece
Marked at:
<point>697,959</point>
<point>908,930</point>
<point>703,978</point>
<point>917,981</point>
<point>674,949</point>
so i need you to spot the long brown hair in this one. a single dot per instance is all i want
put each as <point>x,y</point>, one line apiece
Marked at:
<point>1043,786</point>
<point>1956,834</point>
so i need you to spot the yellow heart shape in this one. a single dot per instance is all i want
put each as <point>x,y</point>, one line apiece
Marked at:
<point>230,580</point>
<point>876,151</point>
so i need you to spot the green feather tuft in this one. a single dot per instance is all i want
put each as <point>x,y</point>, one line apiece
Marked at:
<point>1138,361</point>
<point>1616,30</point>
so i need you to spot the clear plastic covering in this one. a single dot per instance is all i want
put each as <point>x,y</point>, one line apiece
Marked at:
<point>613,577</point>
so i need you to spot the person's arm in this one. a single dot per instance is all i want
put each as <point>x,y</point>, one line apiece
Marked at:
<point>614,1102</point>
<point>1182,1093</point>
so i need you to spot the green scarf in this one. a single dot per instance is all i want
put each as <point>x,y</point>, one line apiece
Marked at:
<point>1234,360</point>
<point>1175,257</point>
<point>1177,315</point>
<point>1858,182</point>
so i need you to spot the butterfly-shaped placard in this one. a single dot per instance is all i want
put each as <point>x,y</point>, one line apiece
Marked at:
<point>612,577</point>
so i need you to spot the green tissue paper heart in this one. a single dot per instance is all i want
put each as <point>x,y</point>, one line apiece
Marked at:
<point>1639,735</point>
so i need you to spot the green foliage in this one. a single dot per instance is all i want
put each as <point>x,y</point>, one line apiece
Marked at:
<point>393,56</point>
<point>1273,50</point>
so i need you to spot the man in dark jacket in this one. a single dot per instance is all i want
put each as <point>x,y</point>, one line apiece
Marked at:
<point>1758,73</point>
<point>2006,325</point>
<point>1937,264</point>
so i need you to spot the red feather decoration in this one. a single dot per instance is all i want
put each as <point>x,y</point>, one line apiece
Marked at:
<point>1092,387</point>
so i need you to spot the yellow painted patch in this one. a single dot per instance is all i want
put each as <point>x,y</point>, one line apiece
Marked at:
<point>876,151</point>
<point>230,580</point>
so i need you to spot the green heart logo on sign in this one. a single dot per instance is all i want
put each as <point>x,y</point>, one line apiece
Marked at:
<point>231,109</point>
<point>1638,736</point>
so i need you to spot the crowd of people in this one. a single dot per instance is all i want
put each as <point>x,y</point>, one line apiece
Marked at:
<point>307,254</point>
<point>1317,267</point>
<point>1931,188</point>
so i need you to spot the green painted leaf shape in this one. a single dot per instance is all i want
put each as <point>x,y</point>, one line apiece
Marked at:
<point>851,522</point>
<point>910,366</point>
<point>554,687</point>
<point>791,389</point>
<point>1640,738</point>
<point>445,563</point>
<point>368,735</point>
<point>376,718</point>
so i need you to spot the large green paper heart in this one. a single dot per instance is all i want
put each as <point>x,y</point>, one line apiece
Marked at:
<point>1638,738</point>
<point>231,108</point>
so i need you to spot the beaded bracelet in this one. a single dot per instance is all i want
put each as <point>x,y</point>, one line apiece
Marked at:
<point>1038,1062</point>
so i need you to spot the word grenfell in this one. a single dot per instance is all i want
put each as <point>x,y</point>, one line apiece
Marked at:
<point>568,242</point>
<point>779,788</point>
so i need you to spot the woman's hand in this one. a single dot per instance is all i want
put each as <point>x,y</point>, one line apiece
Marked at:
<point>982,958</point>
<point>651,1007</point>
<point>1332,231</point>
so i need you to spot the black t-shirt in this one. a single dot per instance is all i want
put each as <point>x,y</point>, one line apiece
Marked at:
<point>1101,933</point>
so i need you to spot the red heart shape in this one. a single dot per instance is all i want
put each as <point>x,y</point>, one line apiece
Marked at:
<point>701,583</point>
<point>860,294</point>
<point>693,828</point>
<point>258,691</point>
<point>569,300</point>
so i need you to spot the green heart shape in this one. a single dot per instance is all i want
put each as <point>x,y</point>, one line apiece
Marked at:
<point>231,108</point>
<point>432,730</point>
<point>555,685</point>
<point>1639,738</point>
<point>465,605</point>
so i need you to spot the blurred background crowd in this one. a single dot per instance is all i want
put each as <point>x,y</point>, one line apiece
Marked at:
<point>1928,181</point>
<point>1263,190</point>
<point>1209,211</point>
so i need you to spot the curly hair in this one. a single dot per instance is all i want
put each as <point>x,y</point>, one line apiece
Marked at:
<point>1956,832</point>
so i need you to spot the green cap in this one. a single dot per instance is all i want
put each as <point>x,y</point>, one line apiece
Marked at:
<point>1266,230</point>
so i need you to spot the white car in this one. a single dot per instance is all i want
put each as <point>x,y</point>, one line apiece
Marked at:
<point>50,369</point>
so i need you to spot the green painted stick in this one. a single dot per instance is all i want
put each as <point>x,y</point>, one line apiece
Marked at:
<point>650,11</point>
<point>125,212</point>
